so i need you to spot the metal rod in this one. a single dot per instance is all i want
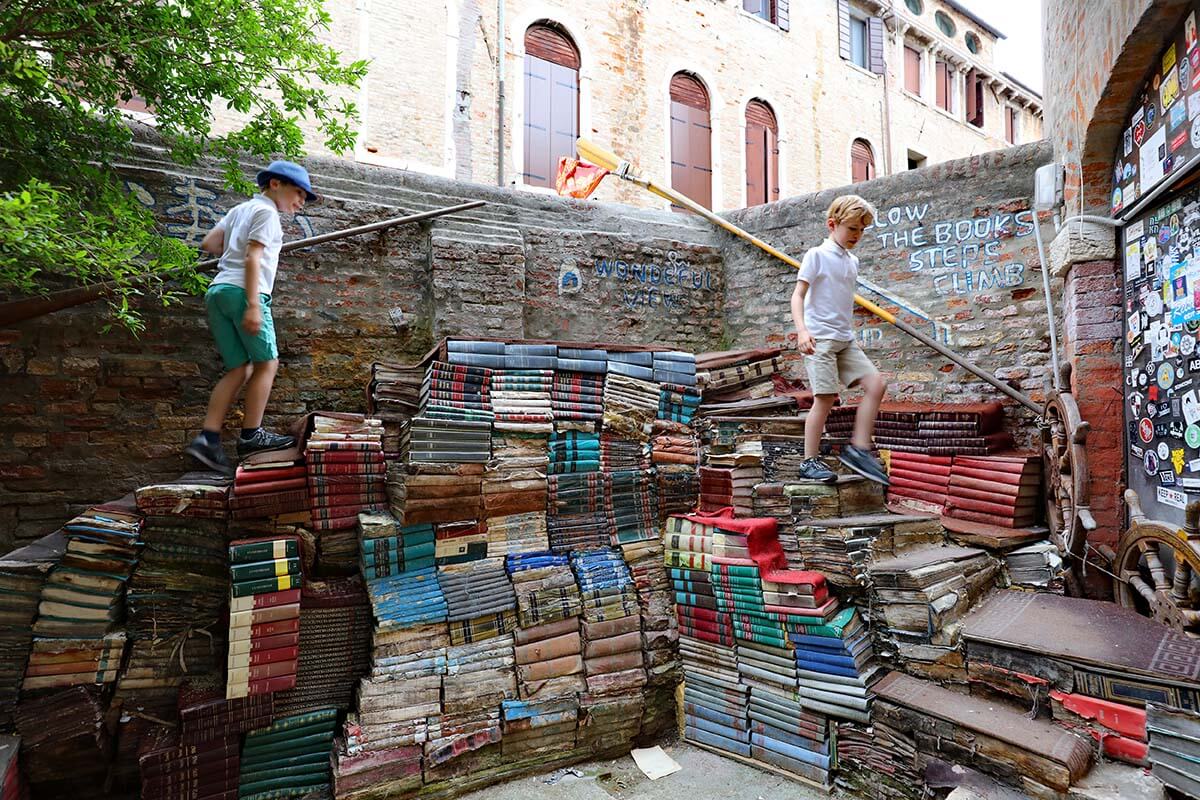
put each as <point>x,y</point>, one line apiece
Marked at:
<point>27,308</point>
<point>1050,319</point>
<point>596,155</point>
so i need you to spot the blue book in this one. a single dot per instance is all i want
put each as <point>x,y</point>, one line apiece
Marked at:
<point>531,350</point>
<point>477,359</point>
<point>716,728</point>
<point>642,358</point>
<point>631,370</point>
<point>681,378</point>
<point>586,355</point>
<point>719,742</point>
<point>829,669</point>
<point>676,355</point>
<point>594,366</point>
<point>462,346</point>
<point>791,751</point>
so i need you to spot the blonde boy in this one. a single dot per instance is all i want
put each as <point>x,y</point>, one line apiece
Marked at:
<point>823,310</point>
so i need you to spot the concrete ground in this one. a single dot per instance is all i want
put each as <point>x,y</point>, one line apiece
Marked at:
<point>704,775</point>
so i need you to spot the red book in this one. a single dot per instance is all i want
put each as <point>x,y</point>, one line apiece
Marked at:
<point>995,477</point>
<point>266,600</point>
<point>270,474</point>
<point>1000,463</point>
<point>254,645</point>
<point>260,657</point>
<point>338,468</point>
<point>267,628</point>
<point>1005,498</point>
<point>344,456</point>
<point>266,487</point>
<point>336,524</point>
<point>991,487</point>
<point>1002,509</point>
<point>920,459</point>
<point>273,684</point>
<point>986,519</point>
<point>900,481</point>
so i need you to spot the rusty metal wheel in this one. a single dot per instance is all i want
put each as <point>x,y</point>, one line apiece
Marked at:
<point>1157,566</point>
<point>1064,459</point>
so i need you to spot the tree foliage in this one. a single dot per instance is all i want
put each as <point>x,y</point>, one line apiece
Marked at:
<point>66,67</point>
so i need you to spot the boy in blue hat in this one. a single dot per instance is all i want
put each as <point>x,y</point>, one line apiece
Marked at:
<point>248,240</point>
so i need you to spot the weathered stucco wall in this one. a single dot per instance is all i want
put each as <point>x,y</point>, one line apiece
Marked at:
<point>953,252</point>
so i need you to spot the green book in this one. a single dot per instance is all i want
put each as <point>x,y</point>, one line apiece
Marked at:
<point>264,585</point>
<point>846,620</point>
<point>247,552</point>
<point>265,569</point>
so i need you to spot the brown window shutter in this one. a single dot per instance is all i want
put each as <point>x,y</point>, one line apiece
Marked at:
<point>783,16</point>
<point>943,88</point>
<point>551,44</point>
<point>912,69</point>
<point>551,118</point>
<point>844,28</point>
<point>772,165</point>
<point>759,113</point>
<point>875,44</point>
<point>862,161</point>
<point>756,164</point>
<point>689,91</point>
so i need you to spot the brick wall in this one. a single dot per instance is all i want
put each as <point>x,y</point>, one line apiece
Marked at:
<point>953,252</point>
<point>89,415</point>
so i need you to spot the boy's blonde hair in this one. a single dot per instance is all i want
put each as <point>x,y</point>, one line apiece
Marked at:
<point>851,207</point>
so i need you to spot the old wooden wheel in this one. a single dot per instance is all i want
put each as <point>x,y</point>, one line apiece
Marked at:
<point>1158,568</point>
<point>1064,460</point>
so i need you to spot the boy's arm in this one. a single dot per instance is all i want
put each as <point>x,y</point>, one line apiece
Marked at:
<point>214,241</point>
<point>804,340</point>
<point>252,319</point>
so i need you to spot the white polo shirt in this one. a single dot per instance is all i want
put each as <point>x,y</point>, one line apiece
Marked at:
<point>256,220</point>
<point>831,272</point>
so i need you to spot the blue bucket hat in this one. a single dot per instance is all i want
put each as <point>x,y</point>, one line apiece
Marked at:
<point>287,171</point>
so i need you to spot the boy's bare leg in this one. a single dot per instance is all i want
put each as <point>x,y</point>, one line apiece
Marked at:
<point>874,386</point>
<point>258,391</point>
<point>222,397</point>
<point>814,426</point>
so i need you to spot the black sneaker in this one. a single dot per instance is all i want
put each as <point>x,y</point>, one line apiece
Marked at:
<point>859,460</point>
<point>814,469</point>
<point>211,456</point>
<point>263,439</point>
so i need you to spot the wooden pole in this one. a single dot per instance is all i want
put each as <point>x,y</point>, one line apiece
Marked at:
<point>27,308</point>
<point>591,153</point>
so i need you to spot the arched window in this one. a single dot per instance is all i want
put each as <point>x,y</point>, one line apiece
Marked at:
<point>691,139</point>
<point>862,161</point>
<point>551,101</point>
<point>762,154</point>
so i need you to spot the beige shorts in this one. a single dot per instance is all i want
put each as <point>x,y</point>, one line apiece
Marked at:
<point>834,364</point>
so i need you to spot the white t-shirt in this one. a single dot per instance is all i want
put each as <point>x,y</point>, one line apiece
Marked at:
<point>831,272</point>
<point>256,220</point>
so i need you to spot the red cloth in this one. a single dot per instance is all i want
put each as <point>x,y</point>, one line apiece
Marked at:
<point>762,538</point>
<point>577,178</point>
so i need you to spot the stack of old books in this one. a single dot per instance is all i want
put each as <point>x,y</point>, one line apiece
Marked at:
<point>617,453</point>
<point>678,402</point>
<point>898,428</point>
<point>585,361</point>
<point>577,513</point>
<point>334,642</point>
<point>660,634</point>
<point>468,724</point>
<point>517,533</point>
<point>839,426</point>
<point>630,404</point>
<point>995,490</point>
<point>549,659</point>
<point>786,733</point>
<point>538,728</point>
<point>346,475</point>
<point>395,389</point>
<point>404,686</point>
<point>632,507</point>
<point>83,596</point>
<point>460,542</point>
<point>443,493</point>
<point>171,769</point>
<point>688,548</point>
<point>1174,751</point>
<point>67,662</point>
<point>289,758</point>
<point>716,488</point>
<point>386,548</point>
<point>472,353</point>
<point>578,395</point>
<point>480,602</point>
<point>521,399</point>
<point>545,588</point>
<point>612,651</point>
<point>768,500</point>
<point>193,494</point>
<point>920,596</point>
<point>781,458</point>
<point>605,585</point>
<point>519,356</point>
<point>716,702</point>
<point>365,773</point>
<point>574,451</point>
<point>674,448</point>
<point>23,572</point>
<point>457,392</point>
<point>741,383</point>
<point>942,430</point>
<point>264,615</point>
<point>637,364</point>
<point>833,656</point>
<point>678,489</point>
<point>271,484</point>
<point>674,367</point>
<point>60,728</point>
<point>608,722</point>
<point>985,735</point>
<point>745,473</point>
<point>1036,565</point>
<point>433,439</point>
<point>918,481</point>
<point>878,762</point>
<point>515,480</point>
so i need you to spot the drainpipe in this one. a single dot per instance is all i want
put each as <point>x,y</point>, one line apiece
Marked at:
<point>887,101</point>
<point>501,54</point>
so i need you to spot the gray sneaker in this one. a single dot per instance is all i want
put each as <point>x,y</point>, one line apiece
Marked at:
<point>211,456</point>
<point>814,469</point>
<point>263,439</point>
<point>860,461</point>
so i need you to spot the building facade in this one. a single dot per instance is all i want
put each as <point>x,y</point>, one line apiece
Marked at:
<point>736,102</point>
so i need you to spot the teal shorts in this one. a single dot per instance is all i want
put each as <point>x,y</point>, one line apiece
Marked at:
<point>226,305</point>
